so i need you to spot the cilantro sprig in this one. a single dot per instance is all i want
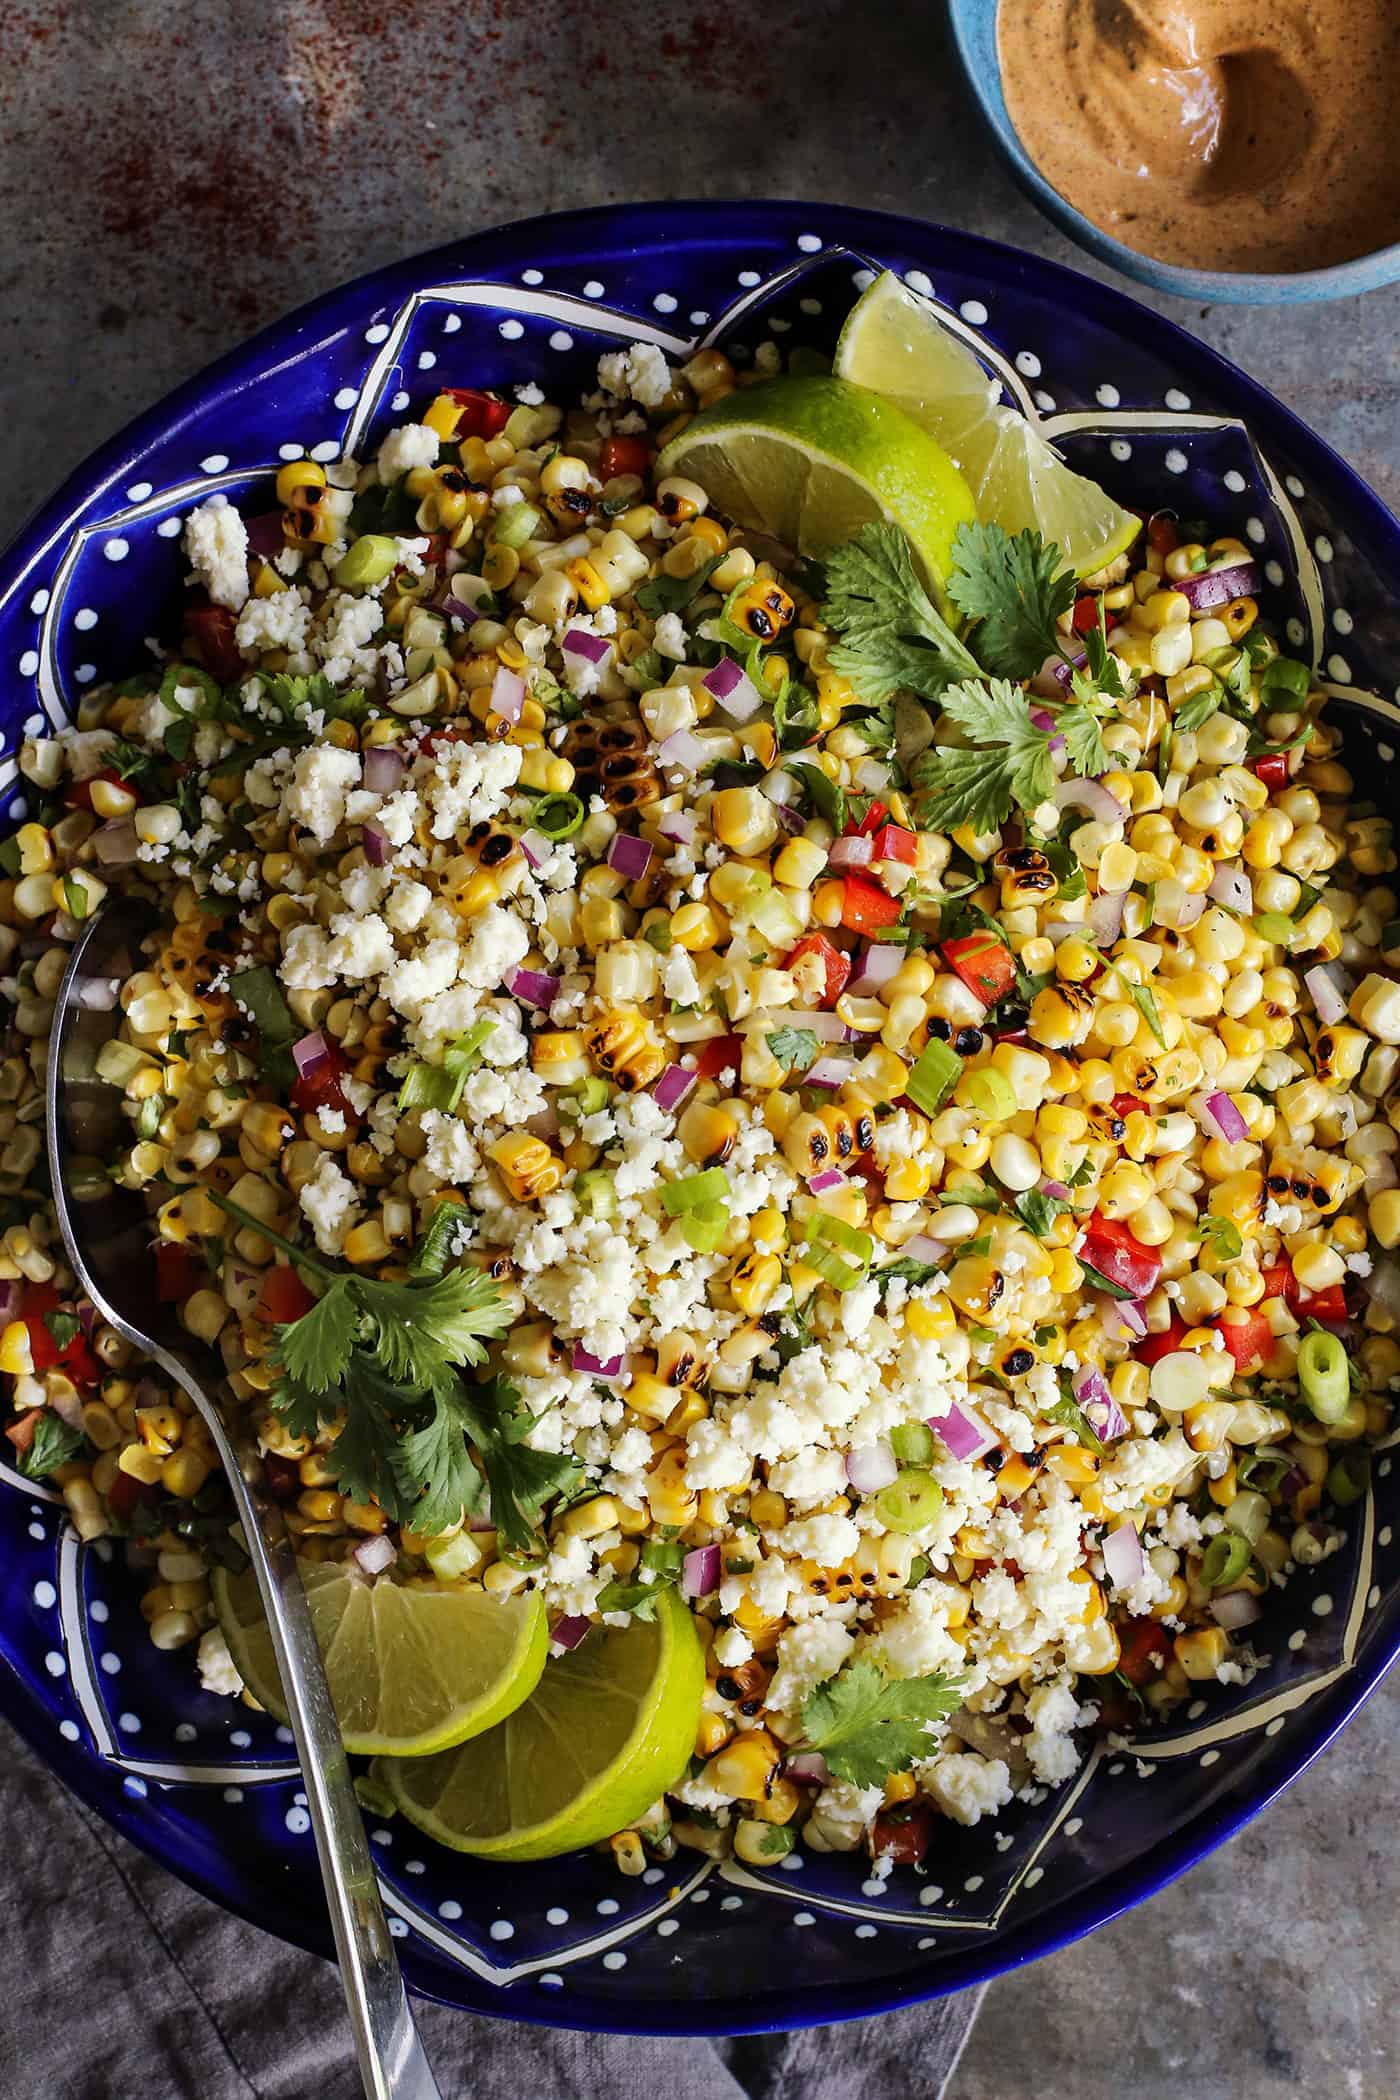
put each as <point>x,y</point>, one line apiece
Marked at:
<point>1014,588</point>
<point>867,1725</point>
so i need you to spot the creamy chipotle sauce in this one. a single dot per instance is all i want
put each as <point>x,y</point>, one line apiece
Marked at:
<point>1219,134</point>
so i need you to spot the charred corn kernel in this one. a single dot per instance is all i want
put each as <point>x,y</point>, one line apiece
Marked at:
<point>1065,1272</point>
<point>300,482</point>
<point>930,1319</point>
<point>1201,1653</point>
<point>799,864</point>
<point>623,1047</point>
<point>1062,1015</point>
<point>527,1165</point>
<point>765,610</point>
<point>753,1283</point>
<point>746,1768</point>
<point>828,1137</point>
<point>668,1497</point>
<point>587,1520</point>
<point>697,927</point>
<point>587,580</point>
<point>744,820</point>
<point>1382,1215</point>
<point>907,1180</point>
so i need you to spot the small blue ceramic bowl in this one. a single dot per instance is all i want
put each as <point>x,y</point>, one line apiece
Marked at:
<point>210,1788</point>
<point>975,33</point>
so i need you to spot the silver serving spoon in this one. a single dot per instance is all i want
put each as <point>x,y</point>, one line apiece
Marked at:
<point>108,1243</point>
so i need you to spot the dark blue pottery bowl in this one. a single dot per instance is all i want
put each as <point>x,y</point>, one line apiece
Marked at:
<point>975,34</point>
<point>211,1789</point>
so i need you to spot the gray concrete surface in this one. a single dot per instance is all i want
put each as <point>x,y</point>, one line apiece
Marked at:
<point>177,172</point>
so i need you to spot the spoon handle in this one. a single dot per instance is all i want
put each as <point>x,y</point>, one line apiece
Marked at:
<point>392,2063</point>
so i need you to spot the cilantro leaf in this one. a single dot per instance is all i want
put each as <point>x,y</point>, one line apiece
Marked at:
<point>826,797</point>
<point>65,1327</point>
<point>434,1250</point>
<point>666,594</point>
<point>295,698</point>
<point>868,1726</point>
<point>892,635</point>
<point>1038,1211</point>
<point>1223,1234</point>
<point>1082,730</point>
<point>315,1349</point>
<point>434,1468</point>
<point>979,787</point>
<point>1070,1415</point>
<point>55,1442</point>
<point>794,1047</point>
<point>1016,589</point>
<point>1197,711</point>
<point>1147,1006</point>
<point>1101,666</point>
<point>420,1330</point>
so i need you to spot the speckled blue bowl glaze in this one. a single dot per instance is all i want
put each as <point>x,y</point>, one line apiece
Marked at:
<point>974,25</point>
<point>210,1788</point>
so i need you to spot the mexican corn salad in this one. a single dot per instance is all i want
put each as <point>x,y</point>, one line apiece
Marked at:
<point>889,1082</point>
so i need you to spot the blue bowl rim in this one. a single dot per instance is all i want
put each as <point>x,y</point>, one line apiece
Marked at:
<point>1363,273</point>
<point>858,229</point>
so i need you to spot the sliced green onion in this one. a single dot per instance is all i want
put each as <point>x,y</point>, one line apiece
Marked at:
<point>704,1227</point>
<point>912,1443</point>
<point>840,1234</point>
<point>515,525</point>
<point>933,1078</point>
<point>988,1093</point>
<point>910,1502</point>
<point>588,1098</point>
<point>1273,926</point>
<point>1346,1482</point>
<point>695,1191</point>
<point>1224,1560</point>
<point>557,816</point>
<point>595,1191</point>
<point>372,558</point>
<point>831,1268</point>
<point>1323,1375</point>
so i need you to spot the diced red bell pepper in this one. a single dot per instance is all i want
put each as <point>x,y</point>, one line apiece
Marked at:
<point>870,823</point>
<point>1085,617</point>
<point>1162,534</point>
<point>721,1053</point>
<point>834,961</point>
<point>283,1296</point>
<point>484,415</point>
<point>1273,770</point>
<point>21,1433</point>
<point>1248,1340</point>
<point>282,1477</point>
<point>127,1493</point>
<point>178,1270</point>
<point>321,1088</point>
<point>984,963</point>
<point>80,1363</point>
<point>865,907</point>
<point>1329,1306</point>
<point>1279,1281</point>
<point>1124,1105</point>
<point>893,842</point>
<point>1152,1346</point>
<point>903,1834</point>
<point>1119,1257</point>
<point>1142,1641</point>
<point>623,455</point>
<point>211,631</point>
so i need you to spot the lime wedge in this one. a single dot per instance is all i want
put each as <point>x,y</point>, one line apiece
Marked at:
<point>413,1668</point>
<point>811,460</point>
<point>604,1733</point>
<point>894,343</point>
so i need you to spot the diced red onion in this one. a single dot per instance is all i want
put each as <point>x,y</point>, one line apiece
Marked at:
<point>578,641</point>
<point>682,749</point>
<point>1122,1556</point>
<point>1102,1412</point>
<point>1211,587</point>
<point>1041,718</point>
<point>871,1468</point>
<point>384,769</point>
<point>828,1178</point>
<point>789,817</point>
<point>1104,917</point>
<point>734,689</point>
<point>378,849</point>
<point>871,775</point>
<point>310,1053</point>
<point>828,1072</point>
<point>852,852</point>
<point>672,1087</point>
<point>116,843</point>
<point>373,1556</point>
<point>878,962</point>
<point>1092,797</point>
<point>1331,1006</point>
<point>1231,886</point>
<point>265,535</point>
<point>597,1366</point>
<point>1057,930</point>
<point>533,988</point>
<point>536,847</point>
<point>924,1247</point>
<point>545,1123</point>
<point>964,1433</point>
<point>1225,1119</point>
<point>700,1572</point>
<point>630,855</point>
<point>11,1291</point>
<point>806,1768</point>
<point>1235,1610</point>
<point>567,1633</point>
<point>508,691</point>
<point>1120,1316</point>
<point>677,824</point>
<point>1177,906</point>
<point>1057,1189</point>
<point>1052,680</point>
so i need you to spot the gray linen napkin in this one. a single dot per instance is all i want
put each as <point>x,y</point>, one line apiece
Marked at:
<point>123,1984</point>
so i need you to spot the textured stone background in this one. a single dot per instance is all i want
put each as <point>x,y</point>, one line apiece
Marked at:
<point>178,172</point>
